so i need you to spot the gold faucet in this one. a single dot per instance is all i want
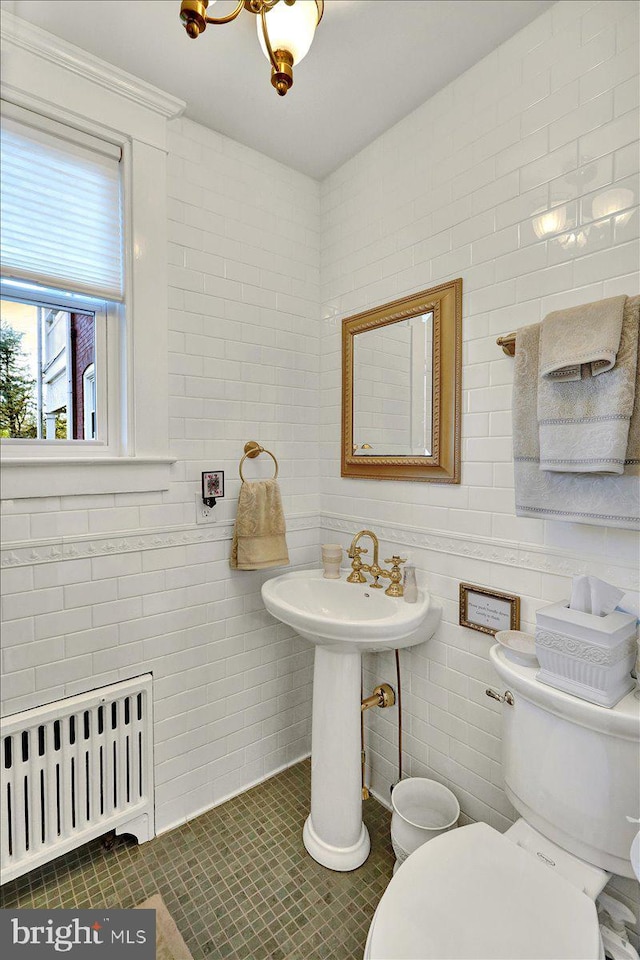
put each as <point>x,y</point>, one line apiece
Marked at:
<point>357,566</point>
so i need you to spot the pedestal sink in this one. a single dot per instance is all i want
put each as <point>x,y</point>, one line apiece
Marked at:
<point>344,620</point>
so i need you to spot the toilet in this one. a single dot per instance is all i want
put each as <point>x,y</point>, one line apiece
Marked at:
<point>572,771</point>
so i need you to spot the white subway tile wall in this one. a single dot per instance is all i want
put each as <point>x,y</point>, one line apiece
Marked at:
<point>547,121</point>
<point>454,190</point>
<point>232,687</point>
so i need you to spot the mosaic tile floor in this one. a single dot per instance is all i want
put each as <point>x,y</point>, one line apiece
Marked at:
<point>237,880</point>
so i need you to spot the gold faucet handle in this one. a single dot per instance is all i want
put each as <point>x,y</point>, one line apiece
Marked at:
<point>395,588</point>
<point>357,566</point>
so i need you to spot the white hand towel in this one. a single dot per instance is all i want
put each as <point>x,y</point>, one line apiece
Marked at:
<point>592,595</point>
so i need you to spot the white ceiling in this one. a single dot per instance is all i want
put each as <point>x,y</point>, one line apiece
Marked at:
<point>372,62</point>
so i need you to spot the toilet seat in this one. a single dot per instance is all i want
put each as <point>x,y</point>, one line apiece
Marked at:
<point>472,894</point>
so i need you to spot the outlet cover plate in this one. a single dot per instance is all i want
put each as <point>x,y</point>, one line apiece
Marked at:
<point>204,514</point>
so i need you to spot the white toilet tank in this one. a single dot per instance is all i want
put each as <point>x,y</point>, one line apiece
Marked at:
<point>571,768</point>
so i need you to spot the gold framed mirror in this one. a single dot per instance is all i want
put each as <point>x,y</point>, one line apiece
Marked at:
<point>401,388</point>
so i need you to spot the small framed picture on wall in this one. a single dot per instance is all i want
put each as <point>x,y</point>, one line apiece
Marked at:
<point>488,610</point>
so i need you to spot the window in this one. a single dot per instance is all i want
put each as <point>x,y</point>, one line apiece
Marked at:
<point>61,224</point>
<point>61,206</point>
<point>49,353</point>
<point>89,402</point>
<point>72,111</point>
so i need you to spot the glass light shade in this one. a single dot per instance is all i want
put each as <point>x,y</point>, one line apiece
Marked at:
<point>611,201</point>
<point>551,221</point>
<point>290,28</point>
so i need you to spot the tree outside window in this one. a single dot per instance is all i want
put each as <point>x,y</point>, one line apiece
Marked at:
<point>18,404</point>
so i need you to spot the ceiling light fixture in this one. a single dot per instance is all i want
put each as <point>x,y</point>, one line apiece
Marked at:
<point>285,30</point>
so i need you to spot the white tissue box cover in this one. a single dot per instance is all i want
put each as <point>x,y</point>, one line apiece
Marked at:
<point>588,656</point>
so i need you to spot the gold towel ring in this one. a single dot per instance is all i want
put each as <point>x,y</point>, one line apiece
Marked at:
<point>253,449</point>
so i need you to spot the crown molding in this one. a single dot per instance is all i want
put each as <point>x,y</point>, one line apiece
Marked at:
<point>41,43</point>
<point>27,552</point>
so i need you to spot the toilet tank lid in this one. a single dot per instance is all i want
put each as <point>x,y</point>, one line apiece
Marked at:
<point>473,893</point>
<point>622,721</point>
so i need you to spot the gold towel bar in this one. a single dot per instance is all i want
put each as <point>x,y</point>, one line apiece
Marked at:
<point>508,344</point>
<point>253,449</point>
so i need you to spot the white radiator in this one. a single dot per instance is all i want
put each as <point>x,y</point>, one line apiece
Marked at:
<point>73,770</point>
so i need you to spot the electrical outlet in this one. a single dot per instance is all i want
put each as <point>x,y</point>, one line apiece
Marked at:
<point>204,514</point>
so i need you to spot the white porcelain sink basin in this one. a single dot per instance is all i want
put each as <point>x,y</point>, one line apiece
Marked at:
<point>349,617</point>
<point>343,620</point>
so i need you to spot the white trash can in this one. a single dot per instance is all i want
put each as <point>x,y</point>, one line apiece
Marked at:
<point>422,809</point>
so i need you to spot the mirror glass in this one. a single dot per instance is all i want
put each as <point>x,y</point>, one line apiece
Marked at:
<point>393,389</point>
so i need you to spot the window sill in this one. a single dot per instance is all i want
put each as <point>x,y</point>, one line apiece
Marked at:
<point>29,477</point>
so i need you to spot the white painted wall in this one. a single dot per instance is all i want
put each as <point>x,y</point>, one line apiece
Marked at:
<point>548,118</point>
<point>147,589</point>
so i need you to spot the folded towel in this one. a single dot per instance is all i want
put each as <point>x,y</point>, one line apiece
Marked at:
<point>587,334</point>
<point>603,500</point>
<point>259,537</point>
<point>584,423</point>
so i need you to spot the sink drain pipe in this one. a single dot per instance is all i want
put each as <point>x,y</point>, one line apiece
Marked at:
<point>382,696</point>
<point>399,701</point>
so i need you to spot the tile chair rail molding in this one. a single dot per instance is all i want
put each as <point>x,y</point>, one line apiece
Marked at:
<point>63,83</point>
<point>552,560</point>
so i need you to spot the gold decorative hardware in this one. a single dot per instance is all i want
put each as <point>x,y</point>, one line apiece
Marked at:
<point>382,696</point>
<point>395,588</point>
<point>444,302</point>
<point>357,566</point>
<point>253,449</point>
<point>193,14</point>
<point>506,697</point>
<point>508,344</point>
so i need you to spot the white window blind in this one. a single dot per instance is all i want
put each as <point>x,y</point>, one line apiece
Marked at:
<point>61,206</point>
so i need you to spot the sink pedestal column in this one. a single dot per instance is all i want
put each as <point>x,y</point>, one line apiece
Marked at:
<point>334,833</point>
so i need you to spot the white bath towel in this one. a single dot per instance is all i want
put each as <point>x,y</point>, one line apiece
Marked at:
<point>588,334</point>
<point>584,423</point>
<point>579,497</point>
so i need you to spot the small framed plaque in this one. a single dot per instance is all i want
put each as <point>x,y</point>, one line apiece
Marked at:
<point>488,610</point>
